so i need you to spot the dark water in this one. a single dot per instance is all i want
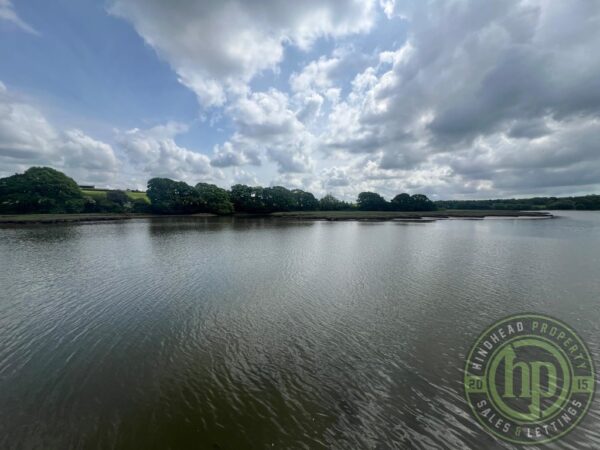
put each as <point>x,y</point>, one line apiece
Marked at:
<point>255,334</point>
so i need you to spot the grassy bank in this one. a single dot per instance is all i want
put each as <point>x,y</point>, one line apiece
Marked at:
<point>101,194</point>
<point>407,215</point>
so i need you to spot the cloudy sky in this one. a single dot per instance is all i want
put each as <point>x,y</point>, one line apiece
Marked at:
<point>442,97</point>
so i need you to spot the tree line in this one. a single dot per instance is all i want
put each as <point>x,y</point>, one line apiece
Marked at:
<point>176,197</point>
<point>45,190</point>
<point>586,202</point>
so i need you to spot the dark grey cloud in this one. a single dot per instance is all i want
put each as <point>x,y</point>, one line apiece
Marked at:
<point>503,97</point>
<point>529,129</point>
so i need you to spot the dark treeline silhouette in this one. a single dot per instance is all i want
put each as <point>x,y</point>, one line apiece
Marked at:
<point>370,201</point>
<point>587,202</point>
<point>176,197</point>
<point>257,199</point>
<point>45,190</point>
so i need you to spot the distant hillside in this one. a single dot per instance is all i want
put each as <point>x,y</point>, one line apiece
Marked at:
<point>101,193</point>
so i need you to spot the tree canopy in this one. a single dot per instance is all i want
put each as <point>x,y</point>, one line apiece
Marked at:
<point>330,203</point>
<point>40,190</point>
<point>216,199</point>
<point>418,202</point>
<point>305,201</point>
<point>371,201</point>
<point>177,197</point>
<point>256,199</point>
<point>174,197</point>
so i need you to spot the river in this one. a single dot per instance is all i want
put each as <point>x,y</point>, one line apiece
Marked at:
<point>231,333</point>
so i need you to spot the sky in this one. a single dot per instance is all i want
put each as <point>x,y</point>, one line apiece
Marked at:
<point>450,98</point>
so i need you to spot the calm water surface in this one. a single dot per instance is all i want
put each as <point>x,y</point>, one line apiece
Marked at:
<point>253,334</point>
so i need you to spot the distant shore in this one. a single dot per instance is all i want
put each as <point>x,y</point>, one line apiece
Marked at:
<point>421,216</point>
<point>409,215</point>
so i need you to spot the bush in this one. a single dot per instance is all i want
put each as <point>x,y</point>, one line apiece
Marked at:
<point>118,197</point>
<point>139,205</point>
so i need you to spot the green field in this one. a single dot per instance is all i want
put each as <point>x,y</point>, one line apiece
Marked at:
<point>101,193</point>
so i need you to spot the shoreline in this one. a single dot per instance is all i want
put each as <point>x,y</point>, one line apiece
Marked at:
<point>377,216</point>
<point>26,219</point>
<point>411,216</point>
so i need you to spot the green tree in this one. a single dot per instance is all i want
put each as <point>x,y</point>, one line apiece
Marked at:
<point>174,197</point>
<point>119,197</point>
<point>330,203</point>
<point>261,200</point>
<point>370,201</point>
<point>536,203</point>
<point>402,202</point>
<point>420,202</point>
<point>247,198</point>
<point>40,190</point>
<point>278,198</point>
<point>304,201</point>
<point>216,199</point>
<point>588,202</point>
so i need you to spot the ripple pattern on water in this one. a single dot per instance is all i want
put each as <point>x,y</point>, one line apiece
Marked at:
<point>233,333</point>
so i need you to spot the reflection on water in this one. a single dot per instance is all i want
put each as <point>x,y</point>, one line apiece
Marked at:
<point>257,333</point>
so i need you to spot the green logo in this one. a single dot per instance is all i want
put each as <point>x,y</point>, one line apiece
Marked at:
<point>529,379</point>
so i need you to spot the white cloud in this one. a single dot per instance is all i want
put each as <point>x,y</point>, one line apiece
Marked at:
<point>461,100</point>
<point>388,7</point>
<point>315,76</point>
<point>241,176</point>
<point>267,125</point>
<point>227,155</point>
<point>310,105</point>
<point>487,99</point>
<point>27,138</point>
<point>8,13</point>
<point>265,115</point>
<point>155,153</point>
<point>216,46</point>
<point>78,150</point>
